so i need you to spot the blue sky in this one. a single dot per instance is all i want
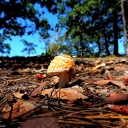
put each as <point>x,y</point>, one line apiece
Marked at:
<point>121,46</point>
<point>17,46</point>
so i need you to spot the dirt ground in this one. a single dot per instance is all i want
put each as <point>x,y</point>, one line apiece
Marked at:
<point>96,96</point>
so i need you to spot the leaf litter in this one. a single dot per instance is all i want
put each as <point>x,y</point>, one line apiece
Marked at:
<point>96,97</point>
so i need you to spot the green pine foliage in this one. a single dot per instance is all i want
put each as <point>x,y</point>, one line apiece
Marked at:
<point>85,28</point>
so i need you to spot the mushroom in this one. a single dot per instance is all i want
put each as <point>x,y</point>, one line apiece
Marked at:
<point>62,66</point>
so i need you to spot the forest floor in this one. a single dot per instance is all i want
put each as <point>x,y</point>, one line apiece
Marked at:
<point>97,97</point>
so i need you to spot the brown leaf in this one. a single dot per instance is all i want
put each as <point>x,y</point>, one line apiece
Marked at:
<point>110,62</point>
<point>99,64</point>
<point>37,91</point>
<point>102,82</point>
<point>119,68</point>
<point>19,108</point>
<point>18,95</point>
<point>86,103</point>
<point>119,83</point>
<point>110,78</point>
<point>27,70</point>
<point>66,93</point>
<point>54,80</point>
<point>43,122</point>
<point>105,82</point>
<point>70,101</point>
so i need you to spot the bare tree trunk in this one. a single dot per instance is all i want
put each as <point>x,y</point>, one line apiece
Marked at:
<point>125,30</point>
<point>106,40</point>
<point>115,27</point>
<point>81,45</point>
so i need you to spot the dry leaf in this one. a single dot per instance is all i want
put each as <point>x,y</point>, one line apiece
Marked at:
<point>66,93</point>
<point>54,80</point>
<point>110,62</point>
<point>105,82</point>
<point>102,82</point>
<point>27,70</point>
<point>18,95</point>
<point>120,78</point>
<point>99,64</point>
<point>119,83</point>
<point>43,122</point>
<point>37,91</point>
<point>19,108</point>
<point>117,68</point>
<point>86,103</point>
<point>70,101</point>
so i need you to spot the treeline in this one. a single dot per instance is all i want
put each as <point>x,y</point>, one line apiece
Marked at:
<point>85,28</point>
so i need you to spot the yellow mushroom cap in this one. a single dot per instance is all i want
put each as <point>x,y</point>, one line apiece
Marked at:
<point>61,63</point>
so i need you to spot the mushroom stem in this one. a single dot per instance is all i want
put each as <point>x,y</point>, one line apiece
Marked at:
<point>63,79</point>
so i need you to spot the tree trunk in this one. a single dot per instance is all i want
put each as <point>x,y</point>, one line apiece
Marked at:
<point>106,41</point>
<point>125,30</point>
<point>99,46</point>
<point>115,28</point>
<point>81,45</point>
